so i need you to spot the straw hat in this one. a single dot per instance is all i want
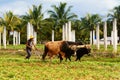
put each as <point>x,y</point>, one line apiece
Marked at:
<point>31,37</point>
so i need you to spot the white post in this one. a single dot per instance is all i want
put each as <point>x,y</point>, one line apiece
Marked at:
<point>90,37</point>
<point>35,37</point>
<point>31,30</point>
<point>13,37</point>
<point>28,30</point>
<point>52,35</point>
<point>66,35</point>
<point>63,33</point>
<point>105,35</point>
<point>69,31</point>
<point>97,37</point>
<point>4,37</point>
<point>0,40</point>
<point>115,36</point>
<point>73,35</point>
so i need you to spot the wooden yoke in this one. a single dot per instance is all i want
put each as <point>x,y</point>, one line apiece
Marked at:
<point>74,47</point>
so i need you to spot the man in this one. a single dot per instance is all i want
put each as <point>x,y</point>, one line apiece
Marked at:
<point>29,46</point>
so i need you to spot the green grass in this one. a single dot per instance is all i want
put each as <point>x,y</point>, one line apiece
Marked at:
<point>13,66</point>
<point>22,46</point>
<point>109,48</point>
<point>35,69</point>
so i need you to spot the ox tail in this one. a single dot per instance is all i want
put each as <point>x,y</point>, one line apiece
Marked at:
<point>45,53</point>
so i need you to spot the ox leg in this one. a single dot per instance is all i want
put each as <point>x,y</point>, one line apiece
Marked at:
<point>68,58</point>
<point>45,53</point>
<point>60,58</point>
<point>50,59</point>
<point>43,56</point>
<point>78,58</point>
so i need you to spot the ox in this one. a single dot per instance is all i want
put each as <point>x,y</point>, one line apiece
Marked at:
<point>53,48</point>
<point>79,49</point>
<point>69,48</point>
<point>61,48</point>
<point>82,51</point>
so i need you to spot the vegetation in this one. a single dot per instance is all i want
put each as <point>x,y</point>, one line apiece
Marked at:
<point>13,66</point>
<point>58,16</point>
<point>89,23</point>
<point>115,13</point>
<point>11,22</point>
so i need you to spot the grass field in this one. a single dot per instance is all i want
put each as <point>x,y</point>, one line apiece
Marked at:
<point>13,66</point>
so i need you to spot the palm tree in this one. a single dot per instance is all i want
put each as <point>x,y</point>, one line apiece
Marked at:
<point>81,33</point>
<point>61,14</point>
<point>115,14</point>
<point>10,21</point>
<point>35,17</point>
<point>20,30</point>
<point>47,28</point>
<point>89,22</point>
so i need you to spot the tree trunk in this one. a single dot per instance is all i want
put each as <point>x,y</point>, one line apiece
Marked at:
<point>16,37</point>
<point>19,38</point>
<point>8,37</point>
<point>91,39</point>
<point>119,38</point>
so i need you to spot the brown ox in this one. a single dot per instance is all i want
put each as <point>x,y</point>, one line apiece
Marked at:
<point>53,48</point>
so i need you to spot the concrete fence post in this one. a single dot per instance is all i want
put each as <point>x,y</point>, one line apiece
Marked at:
<point>105,35</point>
<point>97,37</point>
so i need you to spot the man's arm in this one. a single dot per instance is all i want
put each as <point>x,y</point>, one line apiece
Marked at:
<point>28,45</point>
<point>34,46</point>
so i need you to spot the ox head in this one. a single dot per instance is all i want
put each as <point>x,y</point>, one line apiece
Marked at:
<point>85,48</point>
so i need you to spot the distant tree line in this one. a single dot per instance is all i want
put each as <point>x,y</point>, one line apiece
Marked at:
<point>58,16</point>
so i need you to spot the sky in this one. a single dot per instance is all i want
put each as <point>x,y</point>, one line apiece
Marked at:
<point>80,7</point>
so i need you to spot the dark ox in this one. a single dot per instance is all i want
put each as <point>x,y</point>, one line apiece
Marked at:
<point>61,48</point>
<point>82,51</point>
